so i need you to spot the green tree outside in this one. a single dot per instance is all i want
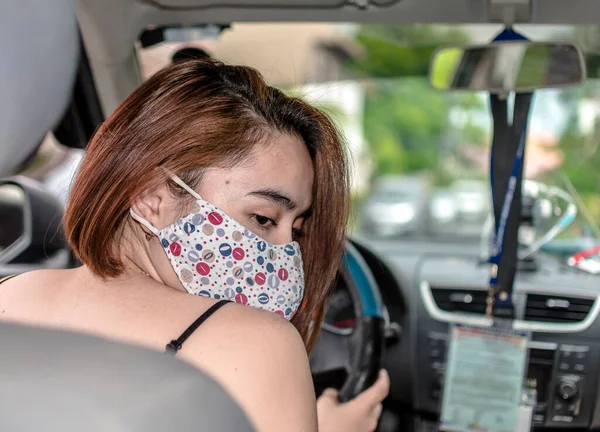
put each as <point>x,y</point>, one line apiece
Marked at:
<point>406,121</point>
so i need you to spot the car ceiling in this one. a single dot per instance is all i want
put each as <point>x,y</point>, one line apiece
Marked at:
<point>111,27</point>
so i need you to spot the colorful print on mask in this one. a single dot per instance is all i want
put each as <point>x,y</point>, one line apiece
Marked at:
<point>215,256</point>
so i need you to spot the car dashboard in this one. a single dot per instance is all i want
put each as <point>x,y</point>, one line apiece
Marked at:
<point>428,287</point>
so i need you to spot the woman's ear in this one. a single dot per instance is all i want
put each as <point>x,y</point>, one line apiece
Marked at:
<point>153,205</point>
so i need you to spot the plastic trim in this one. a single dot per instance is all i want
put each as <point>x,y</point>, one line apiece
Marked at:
<point>535,326</point>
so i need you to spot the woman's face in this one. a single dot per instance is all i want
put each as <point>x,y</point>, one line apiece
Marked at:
<point>270,193</point>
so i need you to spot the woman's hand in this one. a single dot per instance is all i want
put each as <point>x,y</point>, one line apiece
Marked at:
<point>361,414</point>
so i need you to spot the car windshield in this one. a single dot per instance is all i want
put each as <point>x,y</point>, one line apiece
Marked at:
<point>420,157</point>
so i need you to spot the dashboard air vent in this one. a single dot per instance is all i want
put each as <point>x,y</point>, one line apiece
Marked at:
<point>460,300</point>
<point>548,308</point>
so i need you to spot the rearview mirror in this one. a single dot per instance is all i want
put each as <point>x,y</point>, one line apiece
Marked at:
<point>503,67</point>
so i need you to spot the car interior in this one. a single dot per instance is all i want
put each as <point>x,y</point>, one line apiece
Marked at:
<point>462,116</point>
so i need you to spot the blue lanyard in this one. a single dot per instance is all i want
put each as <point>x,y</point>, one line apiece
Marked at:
<point>505,133</point>
<point>500,226</point>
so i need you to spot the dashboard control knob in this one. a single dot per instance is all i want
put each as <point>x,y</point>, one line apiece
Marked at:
<point>567,390</point>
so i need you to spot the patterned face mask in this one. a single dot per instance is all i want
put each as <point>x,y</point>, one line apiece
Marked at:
<point>215,256</point>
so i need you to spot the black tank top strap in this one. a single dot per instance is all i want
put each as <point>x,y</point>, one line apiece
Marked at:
<point>175,345</point>
<point>4,279</point>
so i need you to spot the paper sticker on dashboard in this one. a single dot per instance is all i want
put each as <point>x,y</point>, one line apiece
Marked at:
<point>484,379</point>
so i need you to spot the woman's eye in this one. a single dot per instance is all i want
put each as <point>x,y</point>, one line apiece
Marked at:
<point>264,222</point>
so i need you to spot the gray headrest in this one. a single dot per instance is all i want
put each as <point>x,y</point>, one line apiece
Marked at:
<point>38,58</point>
<point>59,381</point>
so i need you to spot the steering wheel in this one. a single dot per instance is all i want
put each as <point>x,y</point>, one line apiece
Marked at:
<point>358,351</point>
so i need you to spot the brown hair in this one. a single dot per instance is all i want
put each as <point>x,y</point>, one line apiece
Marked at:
<point>198,114</point>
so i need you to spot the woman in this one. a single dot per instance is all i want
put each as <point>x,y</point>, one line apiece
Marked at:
<point>200,183</point>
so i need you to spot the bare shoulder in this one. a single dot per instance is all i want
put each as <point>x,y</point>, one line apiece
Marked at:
<point>26,282</point>
<point>261,360</point>
<point>39,277</point>
<point>31,276</point>
<point>257,356</point>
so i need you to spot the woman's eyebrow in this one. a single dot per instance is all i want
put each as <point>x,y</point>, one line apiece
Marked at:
<point>277,197</point>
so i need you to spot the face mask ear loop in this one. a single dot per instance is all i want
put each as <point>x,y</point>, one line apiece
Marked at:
<point>180,182</point>
<point>144,222</point>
